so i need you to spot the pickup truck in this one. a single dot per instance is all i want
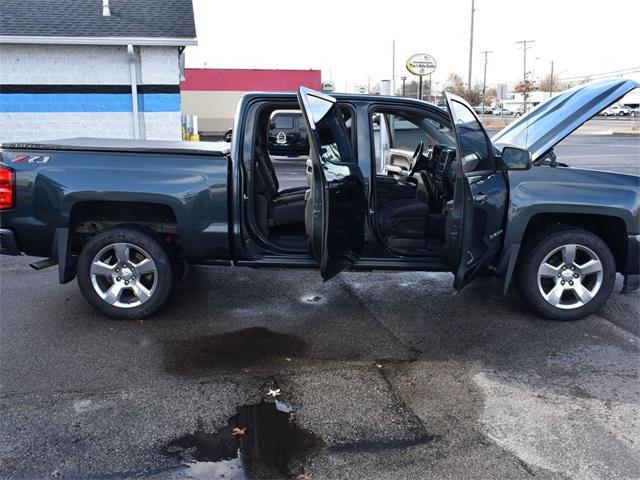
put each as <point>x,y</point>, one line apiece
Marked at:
<point>435,194</point>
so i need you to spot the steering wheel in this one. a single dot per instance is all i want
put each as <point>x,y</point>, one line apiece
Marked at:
<point>416,156</point>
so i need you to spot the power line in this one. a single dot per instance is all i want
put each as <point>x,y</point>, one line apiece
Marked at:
<point>613,72</point>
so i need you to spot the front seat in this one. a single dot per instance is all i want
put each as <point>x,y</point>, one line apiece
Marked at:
<point>406,217</point>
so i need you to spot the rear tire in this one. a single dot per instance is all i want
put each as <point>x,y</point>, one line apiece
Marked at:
<point>566,273</point>
<point>125,273</point>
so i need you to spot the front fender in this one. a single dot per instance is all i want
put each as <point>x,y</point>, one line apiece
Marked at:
<point>546,190</point>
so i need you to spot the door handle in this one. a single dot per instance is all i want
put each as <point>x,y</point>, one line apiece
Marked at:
<point>480,198</point>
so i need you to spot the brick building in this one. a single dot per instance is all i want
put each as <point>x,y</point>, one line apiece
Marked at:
<point>72,67</point>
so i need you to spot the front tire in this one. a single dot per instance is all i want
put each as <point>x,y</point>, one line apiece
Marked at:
<point>566,273</point>
<point>125,273</point>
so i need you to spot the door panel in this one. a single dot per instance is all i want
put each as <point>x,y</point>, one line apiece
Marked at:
<point>399,161</point>
<point>336,204</point>
<point>476,220</point>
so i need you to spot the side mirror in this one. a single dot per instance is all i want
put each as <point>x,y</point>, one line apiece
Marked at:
<point>514,158</point>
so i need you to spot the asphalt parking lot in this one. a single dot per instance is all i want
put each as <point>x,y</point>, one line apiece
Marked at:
<point>395,376</point>
<point>388,375</point>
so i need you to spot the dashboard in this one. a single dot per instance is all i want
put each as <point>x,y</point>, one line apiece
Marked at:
<point>442,162</point>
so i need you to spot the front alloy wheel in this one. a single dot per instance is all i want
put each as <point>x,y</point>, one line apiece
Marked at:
<point>565,273</point>
<point>570,276</point>
<point>125,272</point>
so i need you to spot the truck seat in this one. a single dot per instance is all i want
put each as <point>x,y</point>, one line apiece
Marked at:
<point>406,217</point>
<point>275,208</point>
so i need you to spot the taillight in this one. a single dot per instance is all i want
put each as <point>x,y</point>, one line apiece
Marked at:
<point>6,188</point>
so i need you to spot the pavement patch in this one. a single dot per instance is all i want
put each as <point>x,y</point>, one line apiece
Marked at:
<point>576,414</point>
<point>201,354</point>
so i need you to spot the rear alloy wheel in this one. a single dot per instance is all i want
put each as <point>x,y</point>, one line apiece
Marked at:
<point>566,274</point>
<point>126,273</point>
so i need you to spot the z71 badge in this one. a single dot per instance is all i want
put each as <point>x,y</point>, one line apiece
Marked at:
<point>31,159</point>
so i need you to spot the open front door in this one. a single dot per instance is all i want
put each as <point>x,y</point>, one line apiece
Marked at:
<point>475,221</point>
<point>336,202</point>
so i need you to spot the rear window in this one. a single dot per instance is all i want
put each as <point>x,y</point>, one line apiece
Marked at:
<point>283,122</point>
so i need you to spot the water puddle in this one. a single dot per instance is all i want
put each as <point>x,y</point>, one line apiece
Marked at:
<point>271,446</point>
<point>248,347</point>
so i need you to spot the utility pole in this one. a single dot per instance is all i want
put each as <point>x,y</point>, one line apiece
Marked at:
<point>473,10</point>
<point>551,81</point>
<point>393,70</point>
<point>404,79</point>
<point>420,87</point>
<point>484,78</point>
<point>524,73</point>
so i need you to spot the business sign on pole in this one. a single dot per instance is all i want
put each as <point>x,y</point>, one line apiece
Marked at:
<point>328,87</point>
<point>421,64</point>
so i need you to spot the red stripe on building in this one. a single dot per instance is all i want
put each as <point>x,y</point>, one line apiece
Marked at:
<point>221,79</point>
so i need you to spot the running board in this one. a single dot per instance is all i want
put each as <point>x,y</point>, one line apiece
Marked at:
<point>42,264</point>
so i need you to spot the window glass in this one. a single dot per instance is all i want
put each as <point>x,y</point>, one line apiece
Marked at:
<point>474,148</point>
<point>334,139</point>
<point>283,121</point>
<point>407,132</point>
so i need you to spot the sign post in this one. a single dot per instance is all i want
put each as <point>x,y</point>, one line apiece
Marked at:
<point>421,64</point>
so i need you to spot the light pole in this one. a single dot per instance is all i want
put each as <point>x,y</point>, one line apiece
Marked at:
<point>524,73</point>
<point>484,78</point>
<point>473,10</point>
<point>393,68</point>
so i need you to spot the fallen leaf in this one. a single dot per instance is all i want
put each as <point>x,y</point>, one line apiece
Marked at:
<point>305,476</point>
<point>238,431</point>
<point>408,381</point>
<point>274,393</point>
<point>288,359</point>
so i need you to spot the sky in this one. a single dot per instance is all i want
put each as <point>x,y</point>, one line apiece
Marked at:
<point>351,40</point>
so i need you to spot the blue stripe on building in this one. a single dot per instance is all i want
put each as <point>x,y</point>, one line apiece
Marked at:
<point>87,102</point>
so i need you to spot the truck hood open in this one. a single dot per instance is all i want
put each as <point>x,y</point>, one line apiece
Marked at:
<point>547,124</point>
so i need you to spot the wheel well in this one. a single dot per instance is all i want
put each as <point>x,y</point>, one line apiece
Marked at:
<point>611,230</point>
<point>88,218</point>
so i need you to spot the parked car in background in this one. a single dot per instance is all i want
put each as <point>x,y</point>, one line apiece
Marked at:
<point>616,111</point>
<point>287,134</point>
<point>634,112</point>
<point>503,112</point>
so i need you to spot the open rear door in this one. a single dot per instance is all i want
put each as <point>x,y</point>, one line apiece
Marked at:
<point>479,192</point>
<point>336,202</point>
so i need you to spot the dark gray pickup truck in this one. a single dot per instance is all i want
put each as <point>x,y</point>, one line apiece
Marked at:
<point>393,184</point>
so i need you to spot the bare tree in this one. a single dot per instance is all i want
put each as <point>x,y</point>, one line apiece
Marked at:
<point>547,85</point>
<point>455,84</point>
<point>491,97</point>
<point>525,87</point>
